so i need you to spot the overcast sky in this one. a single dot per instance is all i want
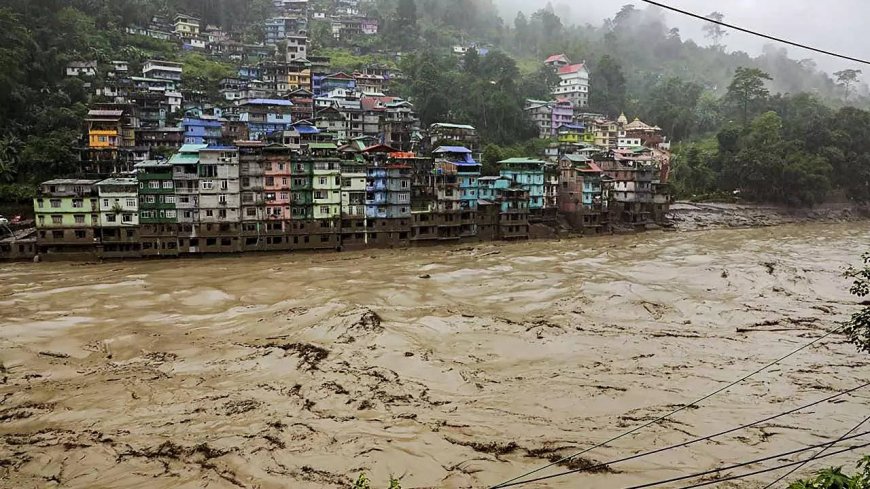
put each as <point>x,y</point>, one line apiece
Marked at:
<point>832,25</point>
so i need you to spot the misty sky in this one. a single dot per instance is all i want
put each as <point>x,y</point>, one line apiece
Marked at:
<point>833,25</point>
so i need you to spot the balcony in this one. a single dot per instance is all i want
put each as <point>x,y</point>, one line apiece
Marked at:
<point>176,175</point>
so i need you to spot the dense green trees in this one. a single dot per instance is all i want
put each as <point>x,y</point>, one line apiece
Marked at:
<point>484,91</point>
<point>796,153</point>
<point>609,95</point>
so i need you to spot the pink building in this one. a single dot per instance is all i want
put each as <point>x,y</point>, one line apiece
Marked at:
<point>277,185</point>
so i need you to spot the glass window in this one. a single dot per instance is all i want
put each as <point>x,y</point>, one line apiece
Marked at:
<point>57,219</point>
<point>131,202</point>
<point>80,219</point>
<point>111,218</point>
<point>55,203</point>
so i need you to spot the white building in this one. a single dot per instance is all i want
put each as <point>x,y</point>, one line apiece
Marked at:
<point>219,187</point>
<point>162,70</point>
<point>81,68</point>
<point>573,85</point>
<point>119,202</point>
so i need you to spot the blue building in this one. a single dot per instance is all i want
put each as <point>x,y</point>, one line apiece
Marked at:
<point>529,175</point>
<point>198,130</point>
<point>323,85</point>
<point>490,186</point>
<point>467,172</point>
<point>249,73</point>
<point>263,117</point>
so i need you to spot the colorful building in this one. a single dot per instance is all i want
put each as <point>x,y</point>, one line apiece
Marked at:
<point>264,117</point>
<point>202,130</point>
<point>326,181</point>
<point>67,217</point>
<point>158,216</point>
<point>529,175</point>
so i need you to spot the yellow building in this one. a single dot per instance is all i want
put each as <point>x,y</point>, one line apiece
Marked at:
<point>98,139</point>
<point>299,79</point>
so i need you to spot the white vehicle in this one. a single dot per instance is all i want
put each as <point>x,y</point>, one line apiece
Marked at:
<point>3,220</point>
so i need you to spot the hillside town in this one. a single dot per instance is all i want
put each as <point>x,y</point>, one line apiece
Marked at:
<point>296,156</point>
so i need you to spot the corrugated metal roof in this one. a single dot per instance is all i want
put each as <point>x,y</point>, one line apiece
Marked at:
<point>452,149</point>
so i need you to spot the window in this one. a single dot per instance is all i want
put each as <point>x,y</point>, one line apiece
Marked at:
<point>323,180</point>
<point>40,203</point>
<point>131,202</point>
<point>154,185</point>
<point>319,194</point>
<point>55,203</point>
<point>222,213</point>
<point>167,184</point>
<point>57,234</point>
<point>111,218</point>
<point>170,214</point>
<point>270,181</point>
<point>222,199</point>
<point>77,203</point>
<point>209,213</point>
<point>41,220</point>
<point>95,219</point>
<point>80,218</point>
<point>324,210</point>
<point>57,219</point>
<point>284,182</point>
<point>285,196</point>
<point>251,212</point>
<point>127,218</point>
<point>207,185</point>
<point>225,185</point>
<point>80,235</point>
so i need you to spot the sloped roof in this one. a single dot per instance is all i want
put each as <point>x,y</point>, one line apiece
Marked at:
<point>520,161</point>
<point>557,57</point>
<point>447,125</point>
<point>380,148</point>
<point>567,70</point>
<point>269,101</point>
<point>452,149</point>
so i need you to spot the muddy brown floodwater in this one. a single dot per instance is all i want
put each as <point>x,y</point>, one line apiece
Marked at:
<point>447,367</point>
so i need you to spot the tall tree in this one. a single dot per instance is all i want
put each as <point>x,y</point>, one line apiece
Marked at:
<point>607,86</point>
<point>714,31</point>
<point>406,12</point>
<point>846,79</point>
<point>747,90</point>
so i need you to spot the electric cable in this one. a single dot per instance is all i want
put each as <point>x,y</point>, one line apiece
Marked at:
<point>816,456</point>
<point>690,442</point>
<point>675,411</point>
<point>754,33</point>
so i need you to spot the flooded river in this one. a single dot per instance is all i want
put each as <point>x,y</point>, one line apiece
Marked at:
<point>447,367</point>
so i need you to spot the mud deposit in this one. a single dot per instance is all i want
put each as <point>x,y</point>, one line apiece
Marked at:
<point>449,367</point>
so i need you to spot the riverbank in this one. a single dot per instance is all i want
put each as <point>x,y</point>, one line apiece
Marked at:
<point>449,367</point>
<point>686,216</point>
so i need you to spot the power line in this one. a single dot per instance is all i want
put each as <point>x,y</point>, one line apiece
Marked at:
<point>763,471</point>
<point>668,415</point>
<point>752,462</point>
<point>817,455</point>
<point>687,443</point>
<point>754,33</point>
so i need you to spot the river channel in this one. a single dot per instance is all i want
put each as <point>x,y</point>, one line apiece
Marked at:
<point>447,367</point>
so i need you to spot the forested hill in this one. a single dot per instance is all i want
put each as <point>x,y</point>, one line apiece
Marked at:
<point>638,65</point>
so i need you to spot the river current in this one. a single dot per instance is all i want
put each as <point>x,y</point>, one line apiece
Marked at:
<point>447,367</point>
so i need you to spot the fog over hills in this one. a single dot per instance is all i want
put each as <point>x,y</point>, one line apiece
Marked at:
<point>836,26</point>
